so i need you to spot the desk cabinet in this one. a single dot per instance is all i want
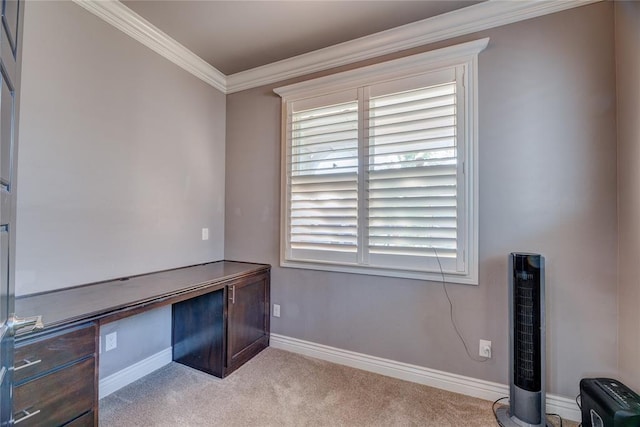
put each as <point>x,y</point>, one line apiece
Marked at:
<point>220,320</point>
<point>219,331</point>
<point>248,320</point>
<point>55,378</point>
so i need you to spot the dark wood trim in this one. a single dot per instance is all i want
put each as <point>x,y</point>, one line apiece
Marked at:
<point>94,415</point>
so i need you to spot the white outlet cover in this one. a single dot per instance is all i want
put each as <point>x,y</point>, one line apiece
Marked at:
<point>110,341</point>
<point>276,310</point>
<point>205,234</point>
<point>485,349</point>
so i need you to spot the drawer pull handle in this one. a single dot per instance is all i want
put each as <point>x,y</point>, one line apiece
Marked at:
<point>233,294</point>
<point>27,414</point>
<point>27,363</point>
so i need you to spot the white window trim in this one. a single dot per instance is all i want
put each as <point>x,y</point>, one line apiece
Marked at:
<point>466,55</point>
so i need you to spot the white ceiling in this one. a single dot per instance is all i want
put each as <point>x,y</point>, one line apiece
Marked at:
<point>234,36</point>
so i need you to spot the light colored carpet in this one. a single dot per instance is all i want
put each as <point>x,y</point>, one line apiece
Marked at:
<point>278,388</point>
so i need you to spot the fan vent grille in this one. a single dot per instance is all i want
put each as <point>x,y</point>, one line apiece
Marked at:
<point>527,331</point>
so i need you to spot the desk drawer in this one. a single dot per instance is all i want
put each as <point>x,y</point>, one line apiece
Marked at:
<point>84,421</point>
<point>60,396</point>
<point>33,358</point>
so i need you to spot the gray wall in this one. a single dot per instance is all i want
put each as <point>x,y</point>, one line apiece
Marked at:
<point>138,337</point>
<point>547,184</point>
<point>121,156</point>
<point>627,16</point>
<point>121,164</point>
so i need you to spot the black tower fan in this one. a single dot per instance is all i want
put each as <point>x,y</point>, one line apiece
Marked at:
<point>526,343</point>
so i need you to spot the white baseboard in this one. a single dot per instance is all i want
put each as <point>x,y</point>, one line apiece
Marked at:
<point>116,381</point>
<point>565,407</point>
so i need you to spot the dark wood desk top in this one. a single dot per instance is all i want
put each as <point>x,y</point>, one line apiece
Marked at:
<point>133,294</point>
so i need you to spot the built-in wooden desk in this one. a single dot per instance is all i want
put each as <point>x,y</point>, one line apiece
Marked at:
<point>220,320</point>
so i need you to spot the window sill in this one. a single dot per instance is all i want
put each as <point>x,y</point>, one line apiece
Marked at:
<point>464,279</point>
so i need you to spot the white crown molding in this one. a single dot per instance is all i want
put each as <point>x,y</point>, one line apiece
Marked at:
<point>487,390</point>
<point>389,70</point>
<point>132,24</point>
<point>482,16</point>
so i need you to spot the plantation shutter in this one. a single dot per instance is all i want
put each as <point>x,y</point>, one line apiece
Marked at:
<point>412,166</point>
<point>380,169</point>
<point>323,180</point>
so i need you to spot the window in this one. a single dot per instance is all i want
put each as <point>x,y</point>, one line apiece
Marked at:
<point>379,168</point>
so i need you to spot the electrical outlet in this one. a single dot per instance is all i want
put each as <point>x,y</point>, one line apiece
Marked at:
<point>110,341</point>
<point>205,234</point>
<point>276,310</point>
<point>485,349</point>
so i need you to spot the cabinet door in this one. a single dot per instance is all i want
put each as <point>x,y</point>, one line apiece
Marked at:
<point>248,320</point>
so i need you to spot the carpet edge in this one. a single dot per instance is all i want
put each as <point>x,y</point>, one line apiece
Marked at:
<point>474,387</point>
